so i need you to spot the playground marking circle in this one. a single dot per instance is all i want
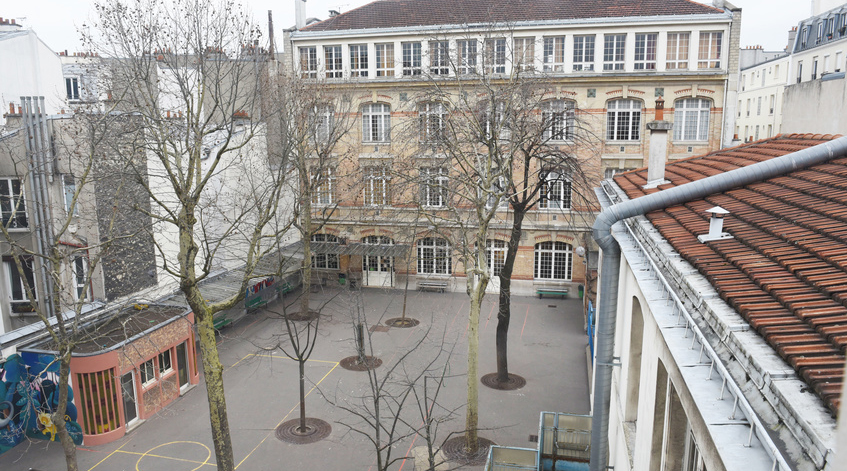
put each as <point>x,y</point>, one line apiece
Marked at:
<point>148,452</point>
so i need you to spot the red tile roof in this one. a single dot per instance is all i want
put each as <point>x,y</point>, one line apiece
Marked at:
<point>409,13</point>
<point>785,269</point>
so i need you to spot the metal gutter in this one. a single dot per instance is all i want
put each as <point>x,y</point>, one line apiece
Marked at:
<point>611,257</point>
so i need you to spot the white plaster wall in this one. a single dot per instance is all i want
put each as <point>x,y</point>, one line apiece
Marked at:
<point>776,78</point>
<point>30,68</point>
<point>816,107</point>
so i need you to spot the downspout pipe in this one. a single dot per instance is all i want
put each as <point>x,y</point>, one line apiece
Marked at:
<point>611,258</point>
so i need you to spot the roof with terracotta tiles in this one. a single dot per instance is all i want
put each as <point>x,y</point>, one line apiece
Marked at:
<point>409,13</point>
<point>785,269</point>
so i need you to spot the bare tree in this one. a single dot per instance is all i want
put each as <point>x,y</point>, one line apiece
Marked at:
<point>190,76</point>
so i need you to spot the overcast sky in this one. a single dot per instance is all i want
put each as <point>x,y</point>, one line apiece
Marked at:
<point>57,22</point>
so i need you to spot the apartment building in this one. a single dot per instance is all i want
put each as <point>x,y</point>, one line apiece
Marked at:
<point>759,114</point>
<point>606,63</point>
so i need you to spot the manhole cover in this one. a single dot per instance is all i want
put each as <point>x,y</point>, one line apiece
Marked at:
<point>402,322</point>
<point>514,382</point>
<point>379,328</point>
<point>454,449</point>
<point>316,430</point>
<point>355,364</point>
<point>299,316</point>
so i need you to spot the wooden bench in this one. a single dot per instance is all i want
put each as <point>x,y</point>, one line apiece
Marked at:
<point>563,292</point>
<point>440,285</point>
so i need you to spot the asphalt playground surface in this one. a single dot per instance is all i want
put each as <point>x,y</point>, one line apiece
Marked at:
<point>546,347</point>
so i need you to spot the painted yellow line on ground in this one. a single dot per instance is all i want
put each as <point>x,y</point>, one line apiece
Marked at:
<point>202,463</point>
<point>271,355</point>
<point>286,415</point>
<point>138,453</point>
<point>110,454</point>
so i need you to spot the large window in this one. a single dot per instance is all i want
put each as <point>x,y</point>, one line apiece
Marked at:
<point>309,62</point>
<point>384,60</point>
<point>323,117</point>
<point>439,57</point>
<point>553,261</point>
<point>710,50</point>
<point>434,186</point>
<point>677,56</point>
<point>495,256</point>
<point>323,186</point>
<point>377,182</point>
<point>434,256</point>
<point>433,121</point>
<point>555,190</point>
<point>614,47</point>
<point>467,56</point>
<point>359,60</point>
<point>411,58</point>
<point>691,119</point>
<point>376,123</point>
<point>333,62</point>
<point>623,120</point>
<point>15,283</point>
<point>328,261</point>
<point>523,53</point>
<point>12,206</point>
<point>645,51</point>
<point>495,56</point>
<point>554,54</point>
<point>583,53</point>
<point>558,116</point>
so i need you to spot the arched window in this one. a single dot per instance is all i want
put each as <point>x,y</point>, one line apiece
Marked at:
<point>376,123</point>
<point>495,256</point>
<point>434,256</point>
<point>691,119</point>
<point>558,120</point>
<point>433,121</point>
<point>623,120</point>
<point>553,261</point>
<point>324,260</point>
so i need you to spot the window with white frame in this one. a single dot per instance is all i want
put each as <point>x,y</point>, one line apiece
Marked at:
<point>323,186</point>
<point>148,372</point>
<point>434,186</point>
<point>495,56</point>
<point>553,261</point>
<point>759,107</point>
<point>165,364</point>
<point>467,60</point>
<point>558,120</point>
<point>555,189</point>
<point>72,87</point>
<point>323,117</point>
<point>80,277</point>
<point>439,57</point>
<point>434,256</point>
<point>799,71</point>
<point>554,54</point>
<point>495,256</point>
<point>496,193</point>
<point>691,119</point>
<point>12,205</point>
<point>748,106</point>
<point>411,58</point>
<point>492,122</point>
<point>377,180</point>
<point>384,60</point>
<point>309,62</point>
<point>814,67</point>
<point>614,48</point>
<point>645,51</point>
<point>583,52</point>
<point>433,121</point>
<point>773,103</point>
<point>333,62</point>
<point>327,261</point>
<point>804,36</point>
<point>623,120</point>
<point>69,189</point>
<point>376,122</point>
<point>611,172</point>
<point>709,56</point>
<point>18,297</point>
<point>358,60</point>
<point>523,53</point>
<point>677,54</point>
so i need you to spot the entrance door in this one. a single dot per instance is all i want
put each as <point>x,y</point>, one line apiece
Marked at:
<point>129,397</point>
<point>495,252</point>
<point>182,365</point>
<point>378,270</point>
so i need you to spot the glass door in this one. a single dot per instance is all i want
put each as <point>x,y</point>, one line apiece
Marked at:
<point>182,365</point>
<point>129,398</point>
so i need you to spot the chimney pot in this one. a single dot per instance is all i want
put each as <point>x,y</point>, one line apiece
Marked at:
<point>660,109</point>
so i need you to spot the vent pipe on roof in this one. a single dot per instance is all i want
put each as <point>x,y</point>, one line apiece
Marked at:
<point>715,226</point>
<point>300,13</point>
<point>607,308</point>
<point>658,147</point>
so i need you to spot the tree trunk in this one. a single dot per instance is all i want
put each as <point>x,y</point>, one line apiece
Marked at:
<point>68,445</point>
<point>504,310</point>
<point>472,417</point>
<point>213,371</point>
<point>302,428</point>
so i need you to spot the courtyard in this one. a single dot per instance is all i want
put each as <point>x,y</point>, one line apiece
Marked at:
<point>547,347</point>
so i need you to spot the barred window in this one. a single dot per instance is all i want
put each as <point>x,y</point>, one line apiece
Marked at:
<point>691,119</point>
<point>553,261</point>
<point>434,256</point>
<point>623,120</point>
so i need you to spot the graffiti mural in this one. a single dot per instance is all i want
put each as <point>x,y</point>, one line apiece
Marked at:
<point>28,397</point>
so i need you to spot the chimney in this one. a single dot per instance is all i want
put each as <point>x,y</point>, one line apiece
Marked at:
<point>719,4</point>
<point>300,14</point>
<point>658,147</point>
<point>333,13</point>
<point>715,225</point>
